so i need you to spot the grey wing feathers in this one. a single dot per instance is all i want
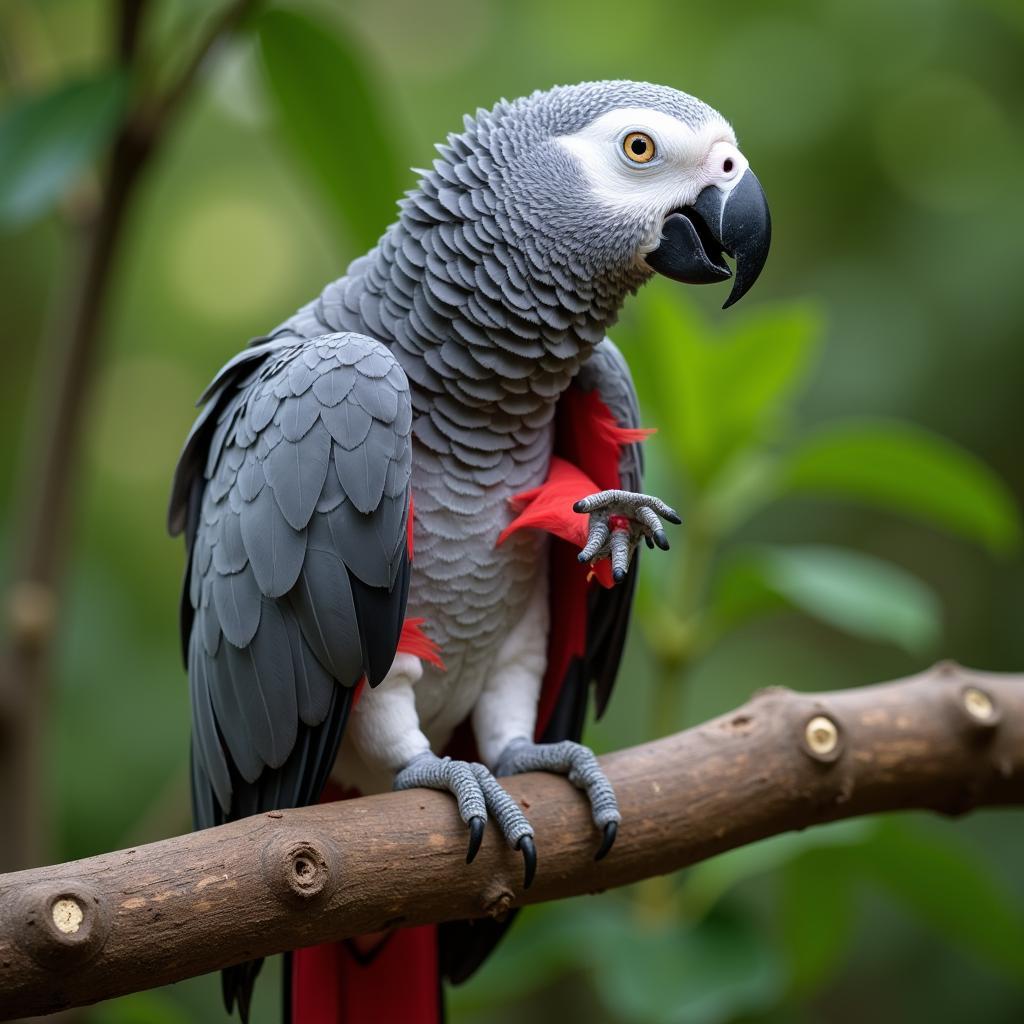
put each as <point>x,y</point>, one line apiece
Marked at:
<point>293,492</point>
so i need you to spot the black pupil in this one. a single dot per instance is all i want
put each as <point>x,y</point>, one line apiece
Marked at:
<point>639,146</point>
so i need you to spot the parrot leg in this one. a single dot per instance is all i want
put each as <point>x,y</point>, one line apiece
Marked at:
<point>477,794</point>
<point>618,521</point>
<point>580,766</point>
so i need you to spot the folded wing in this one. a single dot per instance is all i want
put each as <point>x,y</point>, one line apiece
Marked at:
<point>293,493</point>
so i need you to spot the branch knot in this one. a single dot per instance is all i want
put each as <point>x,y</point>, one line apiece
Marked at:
<point>301,869</point>
<point>60,924</point>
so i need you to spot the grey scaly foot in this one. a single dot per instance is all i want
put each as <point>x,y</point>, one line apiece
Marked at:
<point>618,521</point>
<point>579,764</point>
<point>477,793</point>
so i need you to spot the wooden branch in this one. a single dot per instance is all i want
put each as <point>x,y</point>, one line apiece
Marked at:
<point>947,740</point>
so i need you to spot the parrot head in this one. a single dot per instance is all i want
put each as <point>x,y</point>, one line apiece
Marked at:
<point>626,179</point>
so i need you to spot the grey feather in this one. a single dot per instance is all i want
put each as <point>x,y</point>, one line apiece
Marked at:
<point>334,386</point>
<point>237,601</point>
<point>265,688</point>
<point>296,474</point>
<point>322,603</point>
<point>275,549</point>
<point>348,424</point>
<point>313,683</point>
<point>362,470</point>
<point>296,416</point>
<point>204,726</point>
<point>207,624</point>
<point>251,479</point>
<point>377,397</point>
<point>229,553</point>
<point>231,721</point>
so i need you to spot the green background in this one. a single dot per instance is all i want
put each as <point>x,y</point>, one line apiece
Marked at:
<point>844,445</point>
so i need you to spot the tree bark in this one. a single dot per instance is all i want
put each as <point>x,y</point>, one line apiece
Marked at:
<point>947,740</point>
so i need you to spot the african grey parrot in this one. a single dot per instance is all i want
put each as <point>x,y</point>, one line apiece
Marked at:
<point>393,488</point>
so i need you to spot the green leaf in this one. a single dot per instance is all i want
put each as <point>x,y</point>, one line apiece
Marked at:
<point>549,940</point>
<point>748,483</point>
<point>854,592</point>
<point>715,395</point>
<point>701,975</point>
<point>154,1007</point>
<point>900,467</point>
<point>47,141</point>
<point>329,110</point>
<point>817,917</point>
<point>950,888</point>
<point>706,883</point>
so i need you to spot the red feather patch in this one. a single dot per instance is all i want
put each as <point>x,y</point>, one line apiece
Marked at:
<point>414,641</point>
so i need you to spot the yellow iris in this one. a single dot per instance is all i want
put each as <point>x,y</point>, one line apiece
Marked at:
<point>638,147</point>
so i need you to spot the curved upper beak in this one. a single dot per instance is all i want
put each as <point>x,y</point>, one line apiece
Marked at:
<point>693,239</point>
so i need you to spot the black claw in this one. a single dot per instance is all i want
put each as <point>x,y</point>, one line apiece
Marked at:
<point>581,557</point>
<point>529,851</point>
<point>618,575</point>
<point>648,541</point>
<point>476,837</point>
<point>673,518</point>
<point>661,540</point>
<point>611,830</point>
<point>578,506</point>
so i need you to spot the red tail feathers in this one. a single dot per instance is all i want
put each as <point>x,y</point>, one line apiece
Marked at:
<point>400,983</point>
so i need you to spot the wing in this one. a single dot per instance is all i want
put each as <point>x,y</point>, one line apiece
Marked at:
<point>605,376</point>
<point>293,493</point>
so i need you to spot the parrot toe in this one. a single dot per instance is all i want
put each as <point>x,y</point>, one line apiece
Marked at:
<point>580,766</point>
<point>618,521</point>
<point>479,796</point>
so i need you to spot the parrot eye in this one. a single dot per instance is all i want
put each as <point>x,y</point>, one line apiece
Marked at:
<point>638,147</point>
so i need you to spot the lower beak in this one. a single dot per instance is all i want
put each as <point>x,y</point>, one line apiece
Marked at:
<point>693,239</point>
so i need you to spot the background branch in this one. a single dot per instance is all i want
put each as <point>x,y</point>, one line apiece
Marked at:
<point>52,447</point>
<point>947,740</point>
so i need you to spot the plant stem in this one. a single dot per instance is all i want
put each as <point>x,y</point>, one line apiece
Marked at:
<point>655,898</point>
<point>685,603</point>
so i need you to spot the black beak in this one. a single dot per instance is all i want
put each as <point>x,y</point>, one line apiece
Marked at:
<point>694,238</point>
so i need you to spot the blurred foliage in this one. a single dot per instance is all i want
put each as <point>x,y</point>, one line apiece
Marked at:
<point>49,140</point>
<point>329,111</point>
<point>845,446</point>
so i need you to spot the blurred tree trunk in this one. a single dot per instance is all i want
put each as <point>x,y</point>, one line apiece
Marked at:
<point>52,447</point>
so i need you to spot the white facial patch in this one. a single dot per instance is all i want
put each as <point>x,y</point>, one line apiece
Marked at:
<point>685,162</point>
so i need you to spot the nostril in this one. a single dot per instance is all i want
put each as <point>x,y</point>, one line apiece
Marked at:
<point>727,166</point>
